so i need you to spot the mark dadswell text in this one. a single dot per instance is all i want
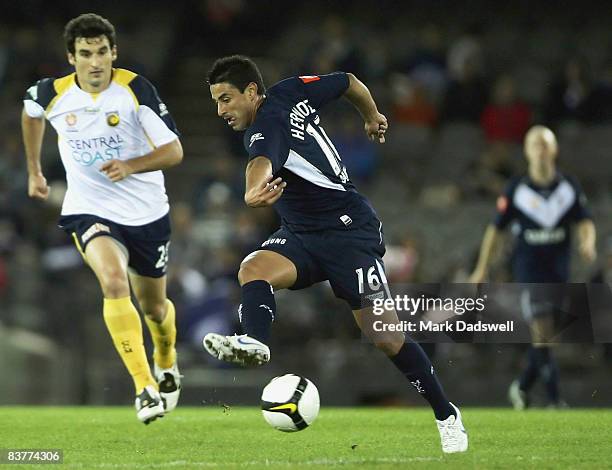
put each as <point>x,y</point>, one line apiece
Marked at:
<point>443,327</point>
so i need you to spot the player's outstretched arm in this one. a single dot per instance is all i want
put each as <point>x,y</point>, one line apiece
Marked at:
<point>489,242</point>
<point>261,189</point>
<point>375,123</point>
<point>586,240</point>
<point>33,130</point>
<point>163,157</point>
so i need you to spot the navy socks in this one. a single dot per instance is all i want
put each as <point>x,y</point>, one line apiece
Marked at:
<point>412,361</point>
<point>531,372</point>
<point>540,363</point>
<point>257,310</point>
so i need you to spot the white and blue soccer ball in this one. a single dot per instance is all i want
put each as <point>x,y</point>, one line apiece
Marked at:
<point>290,403</point>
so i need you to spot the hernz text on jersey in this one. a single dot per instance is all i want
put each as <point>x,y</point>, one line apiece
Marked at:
<point>297,116</point>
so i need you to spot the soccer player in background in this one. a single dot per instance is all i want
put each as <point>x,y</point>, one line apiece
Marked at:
<point>545,205</point>
<point>115,136</point>
<point>328,230</point>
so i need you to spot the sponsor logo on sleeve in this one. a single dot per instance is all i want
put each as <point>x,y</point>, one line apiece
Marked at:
<point>255,138</point>
<point>309,78</point>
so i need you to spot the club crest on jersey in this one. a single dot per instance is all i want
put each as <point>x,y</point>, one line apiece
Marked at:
<point>112,118</point>
<point>71,119</point>
<point>256,137</point>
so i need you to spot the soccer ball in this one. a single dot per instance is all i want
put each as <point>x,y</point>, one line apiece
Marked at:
<point>290,403</point>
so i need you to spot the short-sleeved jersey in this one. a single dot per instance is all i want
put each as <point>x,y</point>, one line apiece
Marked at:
<point>287,130</point>
<point>126,120</point>
<point>542,220</point>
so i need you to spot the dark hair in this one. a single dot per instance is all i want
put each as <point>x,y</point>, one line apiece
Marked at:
<point>88,25</point>
<point>237,70</point>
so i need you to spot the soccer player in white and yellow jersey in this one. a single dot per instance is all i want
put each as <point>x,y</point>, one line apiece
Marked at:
<point>115,136</point>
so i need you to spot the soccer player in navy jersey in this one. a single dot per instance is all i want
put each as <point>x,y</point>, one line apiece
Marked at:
<point>544,206</point>
<point>328,230</point>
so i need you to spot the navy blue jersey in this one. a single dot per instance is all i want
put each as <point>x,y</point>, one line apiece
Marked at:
<point>542,219</point>
<point>287,130</point>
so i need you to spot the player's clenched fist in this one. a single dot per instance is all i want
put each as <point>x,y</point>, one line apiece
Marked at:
<point>375,128</point>
<point>116,170</point>
<point>38,187</point>
<point>266,194</point>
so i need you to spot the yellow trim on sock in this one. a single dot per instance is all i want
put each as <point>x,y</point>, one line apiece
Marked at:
<point>124,325</point>
<point>164,337</point>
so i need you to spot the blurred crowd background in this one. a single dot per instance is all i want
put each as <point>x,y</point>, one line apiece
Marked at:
<point>460,83</point>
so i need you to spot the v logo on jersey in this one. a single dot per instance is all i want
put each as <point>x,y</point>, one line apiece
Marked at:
<point>256,137</point>
<point>545,211</point>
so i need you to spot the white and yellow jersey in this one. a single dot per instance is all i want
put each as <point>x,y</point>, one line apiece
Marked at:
<point>126,120</point>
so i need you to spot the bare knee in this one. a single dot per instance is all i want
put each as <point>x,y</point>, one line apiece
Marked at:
<point>251,271</point>
<point>114,283</point>
<point>154,309</point>
<point>264,265</point>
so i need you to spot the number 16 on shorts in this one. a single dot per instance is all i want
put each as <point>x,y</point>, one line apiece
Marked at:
<point>371,279</point>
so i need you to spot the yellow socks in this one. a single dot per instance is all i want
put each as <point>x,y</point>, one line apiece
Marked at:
<point>123,323</point>
<point>164,338</point>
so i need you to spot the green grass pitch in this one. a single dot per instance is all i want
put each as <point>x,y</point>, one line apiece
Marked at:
<point>385,438</point>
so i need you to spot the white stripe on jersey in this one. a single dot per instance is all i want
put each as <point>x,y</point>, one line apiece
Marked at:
<point>328,148</point>
<point>383,278</point>
<point>303,168</point>
<point>545,211</point>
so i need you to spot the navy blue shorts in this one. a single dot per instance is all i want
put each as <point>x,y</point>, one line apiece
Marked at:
<point>147,245</point>
<point>351,260</point>
<point>566,304</point>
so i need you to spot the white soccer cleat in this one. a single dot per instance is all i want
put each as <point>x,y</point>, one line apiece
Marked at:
<point>149,405</point>
<point>453,436</point>
<point>238,349</point>
<point>517,397</point>
<point>169,381</point>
